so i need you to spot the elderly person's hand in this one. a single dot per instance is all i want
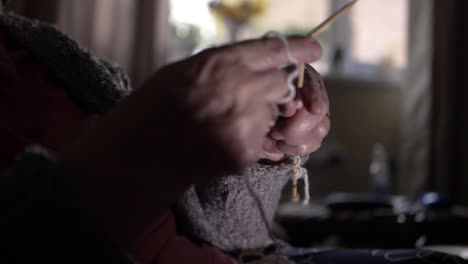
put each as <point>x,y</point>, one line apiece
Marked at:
<point>304,122</point>
<point>220,103</point>
<point>192,121</point>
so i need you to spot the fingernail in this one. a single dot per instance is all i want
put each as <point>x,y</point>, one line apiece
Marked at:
<point>322,131</point>
<point>300,105</point>
<point>276,135</point>
<point>302,150</point>
<point>316,106</point>
<point>271,124</point>
<point>311,40</point>
<point>316,46</point>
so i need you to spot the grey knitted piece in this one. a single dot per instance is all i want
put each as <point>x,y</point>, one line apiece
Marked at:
<point>94,85</point>
<point>225,214</point>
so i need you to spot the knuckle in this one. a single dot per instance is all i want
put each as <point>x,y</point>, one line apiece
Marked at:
<point>210,66</point>
<point>273,45</point>
<point>302,150</point>
<point>210,51</point>
<point>290,134</point>
<point>323,129</point>
<point>315,147</point>
<point>212,56</point>
<point>319,109</point>
<point>318,50</point>
<point>273,48</point>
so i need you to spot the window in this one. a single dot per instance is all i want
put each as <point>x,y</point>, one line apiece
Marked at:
<point>370,42</point>
<point>377,39</point>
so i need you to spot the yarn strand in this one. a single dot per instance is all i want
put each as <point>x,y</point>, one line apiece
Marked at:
<point>293,61</point>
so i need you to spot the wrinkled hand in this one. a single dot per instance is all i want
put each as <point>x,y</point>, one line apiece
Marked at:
<point>192,121</point>
<point>223,101</point>
<point>304,122</point>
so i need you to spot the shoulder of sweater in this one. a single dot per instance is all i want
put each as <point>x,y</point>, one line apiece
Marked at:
<point>92,84</point>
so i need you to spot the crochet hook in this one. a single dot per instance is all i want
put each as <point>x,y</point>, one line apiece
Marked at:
<point>320,28</point>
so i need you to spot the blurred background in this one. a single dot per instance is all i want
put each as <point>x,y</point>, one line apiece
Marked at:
<point>394,70</point>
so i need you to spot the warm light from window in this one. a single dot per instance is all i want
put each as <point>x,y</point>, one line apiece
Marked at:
<point>380,32</point>
<point>371,42</point>
<point>194,12</point>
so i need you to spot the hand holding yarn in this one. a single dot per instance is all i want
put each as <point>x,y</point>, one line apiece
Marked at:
<point>304,121</point>
<point>190,122</point>
<point>226,98</point>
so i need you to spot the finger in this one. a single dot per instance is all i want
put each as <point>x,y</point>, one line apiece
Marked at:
<point>268,86</point>
<point>274,86</point>
<point>270,146</point>
<point>271,151</point>
<point>269,53</point>
<point>288,109</point>
<point>318,133</point>
<point>314,94</point>
<point>300,150</point>
<point>272,156</point>
<point>263,117</point>
<point>295,127</point>
<point>252,126</point>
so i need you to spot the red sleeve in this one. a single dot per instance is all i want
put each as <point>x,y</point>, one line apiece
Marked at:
<point>163,245</point>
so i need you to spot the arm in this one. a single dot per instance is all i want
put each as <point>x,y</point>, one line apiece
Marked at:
<point>112,180</point>
<point>210,111</point>
<point>39,222</point>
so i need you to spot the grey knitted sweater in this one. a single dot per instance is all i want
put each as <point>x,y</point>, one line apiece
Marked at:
<point>222,213</point>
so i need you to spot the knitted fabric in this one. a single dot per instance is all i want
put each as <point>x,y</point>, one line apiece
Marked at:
<point>224,213</point>
<point>92,84</point>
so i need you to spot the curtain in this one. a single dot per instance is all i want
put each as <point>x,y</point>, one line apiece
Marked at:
<point>416,104</point>
<point>133,33</point>
<point>449,157</point>
<point>44,10</point>
<point>434,128</point>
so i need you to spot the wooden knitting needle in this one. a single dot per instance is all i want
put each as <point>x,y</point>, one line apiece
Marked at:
<point>320,28</point>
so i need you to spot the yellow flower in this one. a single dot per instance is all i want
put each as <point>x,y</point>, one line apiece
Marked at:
<point>241,10</point>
